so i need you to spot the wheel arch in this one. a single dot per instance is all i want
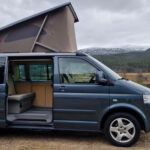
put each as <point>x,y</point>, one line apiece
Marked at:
<point>136,112</point>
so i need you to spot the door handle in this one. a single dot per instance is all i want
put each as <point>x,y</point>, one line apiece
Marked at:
<point>62,88</point>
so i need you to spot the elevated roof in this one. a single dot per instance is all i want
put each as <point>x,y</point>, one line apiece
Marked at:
<point>43,13</point>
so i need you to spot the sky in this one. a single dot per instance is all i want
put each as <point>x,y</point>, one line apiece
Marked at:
<point>102,23</point>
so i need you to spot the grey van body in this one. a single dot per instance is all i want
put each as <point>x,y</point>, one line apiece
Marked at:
<point>82,107</point>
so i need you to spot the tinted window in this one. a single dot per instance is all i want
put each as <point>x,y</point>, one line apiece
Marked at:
<point>40,72</point>
<point>74,70</point>
<point>19,73</point>
<point>50,71</point>
<point>22,75</point>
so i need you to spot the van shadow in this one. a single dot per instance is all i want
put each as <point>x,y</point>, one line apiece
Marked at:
<point>78,139</point>
<point>67,135</point>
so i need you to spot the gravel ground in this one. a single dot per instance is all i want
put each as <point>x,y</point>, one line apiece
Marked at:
<point>39,140</point>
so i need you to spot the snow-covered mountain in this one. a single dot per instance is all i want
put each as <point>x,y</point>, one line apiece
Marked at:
<point>117,50</point>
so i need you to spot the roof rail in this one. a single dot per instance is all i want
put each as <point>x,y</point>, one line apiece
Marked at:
<point>78,53</point>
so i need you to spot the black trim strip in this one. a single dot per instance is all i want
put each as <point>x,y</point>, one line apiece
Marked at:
<point>74,110</point>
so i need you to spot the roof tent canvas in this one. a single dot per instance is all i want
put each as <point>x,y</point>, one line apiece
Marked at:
<point>48,31</point>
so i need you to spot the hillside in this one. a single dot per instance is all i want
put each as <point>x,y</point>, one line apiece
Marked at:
<point>137,61</point>
<point>113,50</point>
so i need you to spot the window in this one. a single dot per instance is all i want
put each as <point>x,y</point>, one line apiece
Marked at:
<point>40,72</point>
<point>19,73</point>
<point>22,75</point>
<point>50,71</point>
<point>1,72</point>
<point>33,72</point>
<point>74,70</point>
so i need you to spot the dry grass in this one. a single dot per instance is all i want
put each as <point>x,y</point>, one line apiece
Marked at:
<point>36,140</point>
<point>141,78</point>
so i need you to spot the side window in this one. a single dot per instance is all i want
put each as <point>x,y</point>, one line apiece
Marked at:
<point>19,73</point>
<point>76,70</point>
<point>50,72</point>
<point>2,69</point>
<point>33,72</point>
<point>40,72</point>
<point>22,75</point>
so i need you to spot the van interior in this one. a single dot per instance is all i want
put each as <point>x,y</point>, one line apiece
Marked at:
<point>30,91</point>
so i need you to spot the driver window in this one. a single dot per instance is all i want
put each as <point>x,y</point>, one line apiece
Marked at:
<point>76,70</point>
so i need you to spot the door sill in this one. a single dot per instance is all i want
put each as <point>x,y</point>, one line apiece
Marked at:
<point>36,127</point>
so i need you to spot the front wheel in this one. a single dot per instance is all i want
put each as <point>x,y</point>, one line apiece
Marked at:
<point>122,129</point>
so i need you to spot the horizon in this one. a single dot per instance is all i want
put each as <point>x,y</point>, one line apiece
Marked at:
<point>145,47</point>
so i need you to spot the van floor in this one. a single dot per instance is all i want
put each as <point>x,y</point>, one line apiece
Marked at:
<point>35,115</point>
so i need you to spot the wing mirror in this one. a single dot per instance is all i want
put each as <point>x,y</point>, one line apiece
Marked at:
<point>100,78</point>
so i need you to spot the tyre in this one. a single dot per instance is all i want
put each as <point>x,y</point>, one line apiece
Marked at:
<point>122,129</point>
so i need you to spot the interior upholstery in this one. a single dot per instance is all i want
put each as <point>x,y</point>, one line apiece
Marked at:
<point>18,102</point>
<point>11,88</point>
<point>20,97</point>
<point>43,91</point>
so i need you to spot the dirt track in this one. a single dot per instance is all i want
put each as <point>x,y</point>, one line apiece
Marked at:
<point>37,140</point>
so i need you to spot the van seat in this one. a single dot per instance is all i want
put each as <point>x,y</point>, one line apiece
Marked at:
<point>21,97</point>
<point>20,102</point>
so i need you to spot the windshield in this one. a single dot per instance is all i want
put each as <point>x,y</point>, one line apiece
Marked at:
<point>111,74</point>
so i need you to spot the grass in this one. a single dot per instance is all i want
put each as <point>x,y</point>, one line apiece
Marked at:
<point>141,78</point>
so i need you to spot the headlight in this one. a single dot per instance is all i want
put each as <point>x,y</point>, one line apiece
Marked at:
<point>146,99</point>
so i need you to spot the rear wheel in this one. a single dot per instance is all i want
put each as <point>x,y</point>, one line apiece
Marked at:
<point>122,129</point>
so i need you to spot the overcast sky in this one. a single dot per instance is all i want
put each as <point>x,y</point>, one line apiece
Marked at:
<point>102,23</point>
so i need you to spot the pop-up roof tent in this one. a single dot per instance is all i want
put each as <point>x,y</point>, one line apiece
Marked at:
<point>48,31</point>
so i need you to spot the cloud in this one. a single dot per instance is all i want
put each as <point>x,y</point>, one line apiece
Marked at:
<point>102,22</point>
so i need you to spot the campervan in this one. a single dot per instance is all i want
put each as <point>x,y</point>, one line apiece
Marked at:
<point>71,91</point>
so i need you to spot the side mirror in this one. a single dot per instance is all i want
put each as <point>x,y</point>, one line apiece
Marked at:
<point>100,78</point>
